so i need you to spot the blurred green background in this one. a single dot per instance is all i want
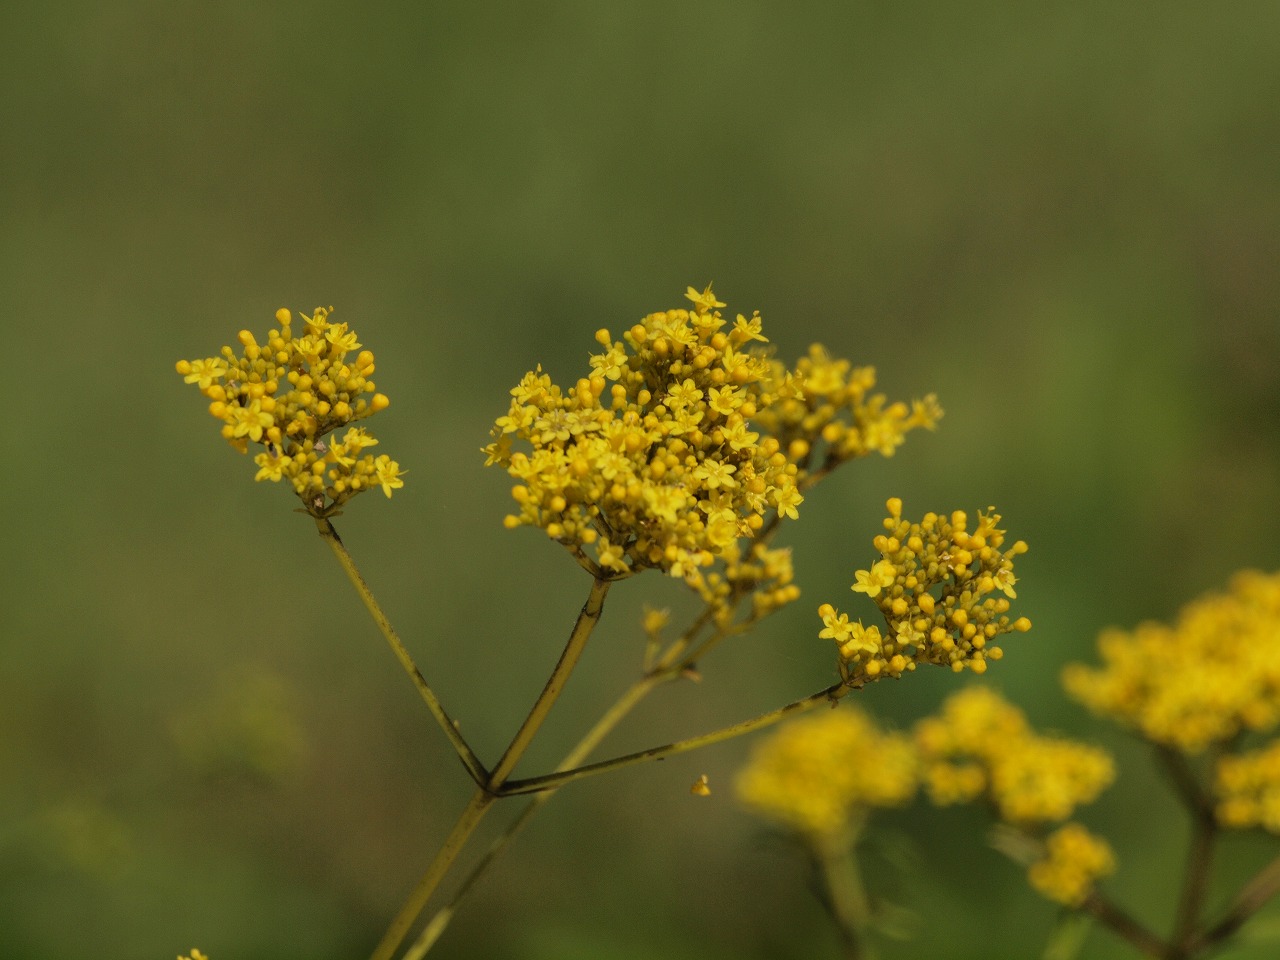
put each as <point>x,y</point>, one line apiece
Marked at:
<point>1063,218</point>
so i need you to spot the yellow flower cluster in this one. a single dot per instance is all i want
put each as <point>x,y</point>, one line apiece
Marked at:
<point>934,585</point>
<point>289,395</point>
<point>1073,863</point>
<point>824,413</point>
<point>1203,680</point>
<point>818,775</point>
<point>763,573</point>
<point>660,457</point>
<point>981,745</point>
<point>1248,789</point>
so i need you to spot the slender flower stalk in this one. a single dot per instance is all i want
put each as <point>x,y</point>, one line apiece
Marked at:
<point>450,727</point>
<point>554,780</point>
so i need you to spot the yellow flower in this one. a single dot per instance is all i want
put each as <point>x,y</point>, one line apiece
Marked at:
<point>288,394</point>
<point>1206,678</point>
<point>704,301</point>
<point>819,774</point>
<point>1074,861</point>
<point>872,581</point>
<point>933,584</point>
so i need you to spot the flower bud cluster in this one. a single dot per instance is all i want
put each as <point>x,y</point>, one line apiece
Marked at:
<point>980,745</point>
<point>289,395</point>
<point>935,584</point>
<point>1211,675</point>
<point>820,774</point>
<point>1074,861</point>
<point>1247,786</point>
<point>825,413</point>
<point>764,574</point>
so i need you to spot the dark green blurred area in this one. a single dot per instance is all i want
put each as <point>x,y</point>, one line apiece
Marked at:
<point>1064,219</point>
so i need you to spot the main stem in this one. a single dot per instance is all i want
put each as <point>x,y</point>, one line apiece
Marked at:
<point>490,790</point>
<point>468,757</point>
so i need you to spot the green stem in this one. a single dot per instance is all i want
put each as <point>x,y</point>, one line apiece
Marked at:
<point>1124,926</point>
<point>559,779</point>
<point>450,727</point>
<point>480,803</point>
<point>625,704</point>
<point>1204,834</point>
<point>586,622</point>
<point>491,789</point>
<point>847,897</point>
<point>1264,885</point>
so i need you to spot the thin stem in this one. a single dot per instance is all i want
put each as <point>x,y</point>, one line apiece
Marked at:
<point>1204,833</point>
<point>1264,885</point>
<point>1124,926</point>
<point>586,622</point>
<point>535,784</point>
<point>490,790</point>
<point>475,810</point>
<point>847,898</point>
<point>625,704</point>
<point>450,727</point>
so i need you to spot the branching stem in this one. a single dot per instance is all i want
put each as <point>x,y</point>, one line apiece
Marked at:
<point>450,727</point>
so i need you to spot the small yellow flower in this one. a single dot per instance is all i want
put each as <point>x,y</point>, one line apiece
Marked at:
<point>872,581</point>
<point>704,301</point>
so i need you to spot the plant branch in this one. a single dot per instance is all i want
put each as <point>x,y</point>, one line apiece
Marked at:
<point>490,789</point>
<point>450,727</point>
<point>1124,926</point>
<point>475,810</point>
<point>1264,885</point>
<point>536,784</point>
<point>586,622</point>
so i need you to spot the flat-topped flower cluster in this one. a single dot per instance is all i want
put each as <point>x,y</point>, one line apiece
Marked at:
<point>289,395</point>
<point>685,437</point>
<point>1203,680</point>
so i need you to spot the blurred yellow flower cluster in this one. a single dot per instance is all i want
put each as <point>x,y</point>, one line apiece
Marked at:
<point>1074,861</point>
<point>824,412</point>
<point>953,626</point>
<point>289,395</point>
<point>662,457</point>
<point>1248,789</point>
<point>819,775</point>
<point>980,745</point>
<point>1210,676</point>
<point>195,955</point>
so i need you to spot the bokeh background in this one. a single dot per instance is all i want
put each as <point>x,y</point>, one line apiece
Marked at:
<point>1062,218</point>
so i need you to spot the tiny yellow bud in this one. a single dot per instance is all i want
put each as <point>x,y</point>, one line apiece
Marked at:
<point>895,506</point>
<point>603,338</point>
<point>183,367</point>
<point>283,315</point>
<point>379,402</point>
<point>511,521</point>
<point>826,610</point>
<point>1022,624</point>
<point>925,602</point>
<point>872,668</point>
<point>246,338</point>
